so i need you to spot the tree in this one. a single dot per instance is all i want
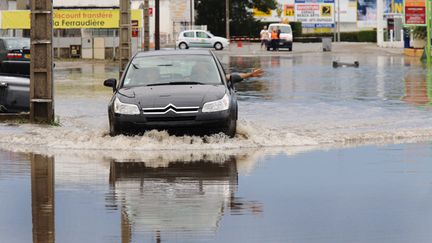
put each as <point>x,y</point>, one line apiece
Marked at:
<point>212,14</point>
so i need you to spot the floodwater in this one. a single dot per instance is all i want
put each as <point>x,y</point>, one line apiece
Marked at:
<point>322,154</point>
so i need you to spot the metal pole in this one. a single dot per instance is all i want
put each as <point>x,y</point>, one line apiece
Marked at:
<point>41,64</point>
<point>428,30</point>
<point>338,23</point>
<point>157,26</point>
<point>191,20</point>
<point>227,17</point>
<point>146,26</point>
<point>124,35</point>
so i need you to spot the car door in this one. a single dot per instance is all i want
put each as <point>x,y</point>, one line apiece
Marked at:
<point>189,37</point>
<point>203,39</point>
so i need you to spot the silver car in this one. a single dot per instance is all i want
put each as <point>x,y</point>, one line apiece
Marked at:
<point>200,38</point>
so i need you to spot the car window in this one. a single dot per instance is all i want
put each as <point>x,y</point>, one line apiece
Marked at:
<point>202,35</point>
<point>188,34</point>
<point>23,43</point>
<point>283,28</point>
<point>173,68</point>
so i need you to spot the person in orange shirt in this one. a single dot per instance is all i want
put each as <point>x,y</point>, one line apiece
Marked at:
<point>274,40</point>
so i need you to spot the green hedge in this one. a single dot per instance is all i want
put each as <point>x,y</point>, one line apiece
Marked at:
<point>296,28</point>
<point>360,36</point>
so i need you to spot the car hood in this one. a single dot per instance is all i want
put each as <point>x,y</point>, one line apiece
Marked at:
<point>177,95</point>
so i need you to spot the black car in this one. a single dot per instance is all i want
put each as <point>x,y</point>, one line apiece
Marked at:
<point>184,91</point>
<point>14,49</point>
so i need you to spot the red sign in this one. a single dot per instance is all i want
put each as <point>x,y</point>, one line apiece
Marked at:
<point>415,15</point>
<point>150,12</point>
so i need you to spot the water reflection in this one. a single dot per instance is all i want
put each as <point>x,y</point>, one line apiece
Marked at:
<point>183,196</point>
<point>42,194</point>
<point>180,197</point>
<point>418,87</point>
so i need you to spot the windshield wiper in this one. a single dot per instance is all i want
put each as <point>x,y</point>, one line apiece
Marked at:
<point>175,83</point>
<point>157,84</point>
<point>184,82</point>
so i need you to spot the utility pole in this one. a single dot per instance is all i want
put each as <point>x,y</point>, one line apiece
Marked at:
<point>227,17</point>
<point>41,64</point>
<point>146,26</point>
<point>124,35</point>
<point>157,25</point>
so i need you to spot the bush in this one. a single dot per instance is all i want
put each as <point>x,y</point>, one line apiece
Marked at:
<point>296,28</point>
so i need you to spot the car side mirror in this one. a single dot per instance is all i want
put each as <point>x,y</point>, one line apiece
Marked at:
<point>235,78</point>
<point>111,82</point>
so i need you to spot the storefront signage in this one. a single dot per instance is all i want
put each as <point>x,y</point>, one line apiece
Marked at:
<point>70,19</point>
<point>415,12</point>
<point>315,13</point>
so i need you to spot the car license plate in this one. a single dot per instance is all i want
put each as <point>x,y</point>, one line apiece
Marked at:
<point>27,56</point>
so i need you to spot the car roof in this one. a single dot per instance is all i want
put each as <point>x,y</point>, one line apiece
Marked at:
<point>174,52</point>
<point>194,30</point>
<point>281,24</point>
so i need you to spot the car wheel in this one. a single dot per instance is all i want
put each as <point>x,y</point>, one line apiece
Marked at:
<point>114,129</point>
<point>218,46</point>
<point>183,46</point>
<point>230,128</point>
<point>289,48</point>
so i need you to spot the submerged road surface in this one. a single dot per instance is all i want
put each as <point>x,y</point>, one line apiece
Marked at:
<point>322,154</point>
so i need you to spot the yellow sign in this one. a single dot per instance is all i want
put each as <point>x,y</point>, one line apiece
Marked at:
<point>258,13</point>
<point>326,10</point>
<point>70,19</point>
<point>289,10</point>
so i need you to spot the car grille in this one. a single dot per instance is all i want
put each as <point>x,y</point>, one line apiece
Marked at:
<point>170,119</point>
<point>172,108</point>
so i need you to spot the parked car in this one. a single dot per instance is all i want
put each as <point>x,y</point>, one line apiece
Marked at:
<point>15,87</point>
<point>15,49</point>
<point>173,90</point>
<point>200,38</point>
<point>286,36</point>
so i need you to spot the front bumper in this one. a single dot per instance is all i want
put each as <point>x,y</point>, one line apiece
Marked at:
<point>285,43</point>
<point>169,121</point>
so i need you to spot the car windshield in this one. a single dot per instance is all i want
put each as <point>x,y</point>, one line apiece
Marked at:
<point>23,43</point>
<point>284,29</point>
<point>172,70</point>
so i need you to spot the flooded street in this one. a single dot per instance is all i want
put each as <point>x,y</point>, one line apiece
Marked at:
<point>321,154</point>
<point>367,194</point>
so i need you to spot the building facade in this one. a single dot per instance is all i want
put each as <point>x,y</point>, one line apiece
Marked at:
<point>101,43</point>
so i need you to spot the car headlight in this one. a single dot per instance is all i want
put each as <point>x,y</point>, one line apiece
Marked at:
<point>217,105</point>
<point>125,109</point>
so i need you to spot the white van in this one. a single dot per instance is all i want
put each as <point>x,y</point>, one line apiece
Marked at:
<point>286,36</point>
